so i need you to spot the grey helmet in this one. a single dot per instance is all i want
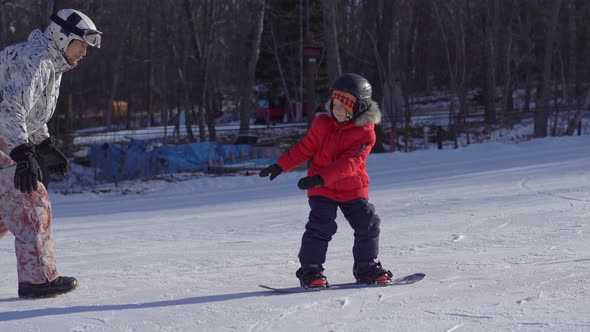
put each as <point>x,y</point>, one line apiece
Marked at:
<point>69,24</point>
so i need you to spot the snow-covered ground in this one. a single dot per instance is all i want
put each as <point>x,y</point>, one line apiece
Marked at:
<point>501,231</point>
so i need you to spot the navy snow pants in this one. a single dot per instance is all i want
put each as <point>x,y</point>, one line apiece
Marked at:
<point>321,226</point>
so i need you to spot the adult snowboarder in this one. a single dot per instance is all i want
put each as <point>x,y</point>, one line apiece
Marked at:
<point>339,144</point>
<point>30,76</point>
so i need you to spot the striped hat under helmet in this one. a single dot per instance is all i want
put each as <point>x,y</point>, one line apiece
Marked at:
<point>354,92</point>
<point>69,24</point>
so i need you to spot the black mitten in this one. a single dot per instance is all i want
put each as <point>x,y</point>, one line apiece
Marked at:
<point>27,171</point>
<point>273,170</point>
<point>309,182</point>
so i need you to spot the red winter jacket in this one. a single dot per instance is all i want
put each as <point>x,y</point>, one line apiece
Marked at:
<point>339,152</point>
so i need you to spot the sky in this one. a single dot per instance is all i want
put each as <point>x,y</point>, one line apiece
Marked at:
<point>499,229</point>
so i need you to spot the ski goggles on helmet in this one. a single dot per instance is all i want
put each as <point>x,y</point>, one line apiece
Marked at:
<point>346,99</point>
<point>91,37</point>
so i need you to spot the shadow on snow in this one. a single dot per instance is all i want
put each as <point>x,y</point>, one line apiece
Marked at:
<point>26,314</point>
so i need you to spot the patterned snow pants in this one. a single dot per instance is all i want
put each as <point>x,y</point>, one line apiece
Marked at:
<point>28,217</point>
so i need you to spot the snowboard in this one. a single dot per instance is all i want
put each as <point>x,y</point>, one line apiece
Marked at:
<point>409,279</point>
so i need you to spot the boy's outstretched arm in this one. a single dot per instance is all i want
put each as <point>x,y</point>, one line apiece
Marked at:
<point>307,147</point>
<point>273,170</point>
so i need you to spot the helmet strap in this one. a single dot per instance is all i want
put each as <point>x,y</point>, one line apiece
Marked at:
<point>69,26</point>
<point>360,108</point>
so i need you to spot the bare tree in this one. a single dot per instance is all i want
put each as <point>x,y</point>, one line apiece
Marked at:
<point>544,90</point>
<point>450,19</point>
<point>222,50</point>
<point>331,39</point>
<point>178,52</point>
<point>572,42</point>
<point>507,101</point>
<point>275,42</point>
<point>524,49</point>
<point>201,57</point>
<point>117,70</point>
<point>490,26</point>
<point>250,24</point>
<point>575,121</point>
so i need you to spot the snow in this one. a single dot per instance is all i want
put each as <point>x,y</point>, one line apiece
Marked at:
<point>500,230</point>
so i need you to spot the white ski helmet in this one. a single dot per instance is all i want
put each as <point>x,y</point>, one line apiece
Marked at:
<point>69,24</point>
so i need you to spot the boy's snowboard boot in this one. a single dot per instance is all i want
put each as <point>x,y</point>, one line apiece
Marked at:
<point>370,272</point>
<point>53,288</point>
<point>310,276</point>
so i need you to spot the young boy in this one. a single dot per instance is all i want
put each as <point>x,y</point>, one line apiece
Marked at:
<point>339,144</point>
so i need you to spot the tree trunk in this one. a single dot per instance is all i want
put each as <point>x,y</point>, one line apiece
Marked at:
<point>379,139</point>
<point>202,55</point>
<point>289,107</point>
<point>490,61</point>
<point>213,108</point>
<point>574,94</point>
<point>200,111</point>
<point>331,39</point>
<point>249,59</point>
<point>151,69</point>
<point>573,124</point>
<point>544,91</point>
<point>310,66</point>
<point>457,65</point>
<point>117,71</point>
<point>507,101</point>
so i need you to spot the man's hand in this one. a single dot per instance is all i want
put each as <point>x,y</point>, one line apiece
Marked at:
<point>309,182</point>
<point>51,158</point>
<point>273,170</point>
<point>28,172</point>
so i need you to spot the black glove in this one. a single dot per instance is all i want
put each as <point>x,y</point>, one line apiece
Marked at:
<point>27,171</point>
<point>309,182</point>
<point>273,170</point>
<point>51,159</point>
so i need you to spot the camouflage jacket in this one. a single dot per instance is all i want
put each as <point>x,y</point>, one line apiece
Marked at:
<point>30,75</point>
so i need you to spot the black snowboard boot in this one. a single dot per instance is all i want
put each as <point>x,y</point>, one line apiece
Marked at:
<point>370,272</point>
<point>310,276</point>
<point>56,287</point>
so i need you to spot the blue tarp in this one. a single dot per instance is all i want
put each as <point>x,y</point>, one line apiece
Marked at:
<point>145,158</point>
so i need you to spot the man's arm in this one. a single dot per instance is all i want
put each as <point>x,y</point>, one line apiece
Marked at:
<point>27,82</point>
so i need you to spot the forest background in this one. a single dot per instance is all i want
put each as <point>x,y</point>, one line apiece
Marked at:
<point>208,58</point>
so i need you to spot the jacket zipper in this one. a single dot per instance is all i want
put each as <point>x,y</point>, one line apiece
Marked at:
<point>364,146</point>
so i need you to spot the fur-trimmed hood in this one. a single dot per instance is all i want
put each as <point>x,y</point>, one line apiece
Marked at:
<point>372,115</point>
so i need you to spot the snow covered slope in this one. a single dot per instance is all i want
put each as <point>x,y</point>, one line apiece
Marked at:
<point>501,232</point>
